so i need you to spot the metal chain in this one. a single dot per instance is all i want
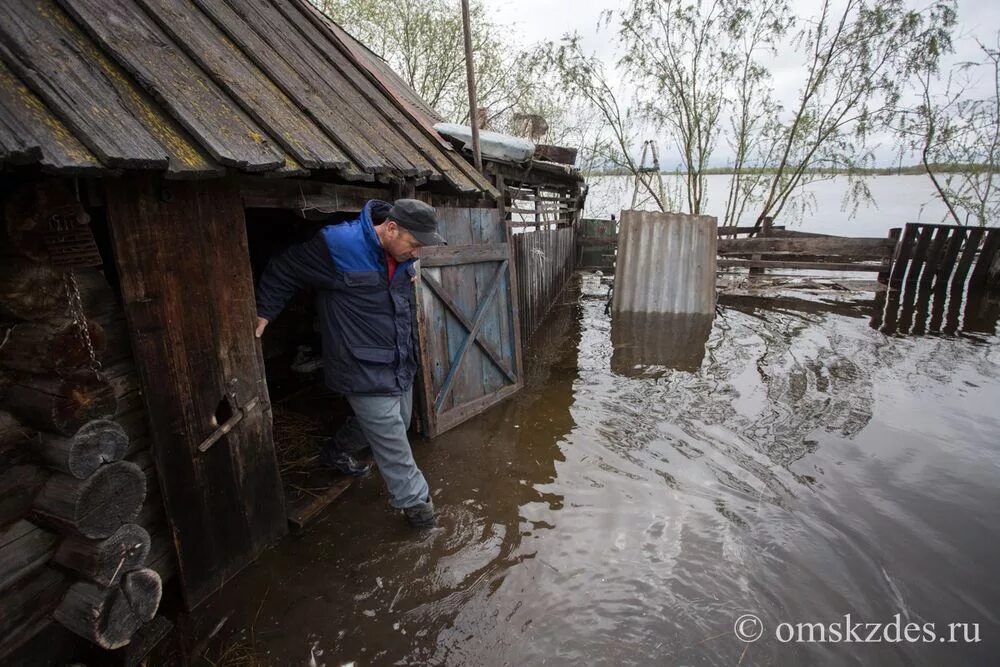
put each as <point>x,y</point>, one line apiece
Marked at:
<point>80,320</point>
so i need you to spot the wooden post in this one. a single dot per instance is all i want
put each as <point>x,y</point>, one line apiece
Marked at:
<point>765,231</point>
<point>470,73</point>
<point>883,276</point>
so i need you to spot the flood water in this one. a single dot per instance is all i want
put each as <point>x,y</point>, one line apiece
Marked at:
<point>645,491</point>
<point>822,206</point>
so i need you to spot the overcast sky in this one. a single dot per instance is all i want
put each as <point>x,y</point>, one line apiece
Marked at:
<point>535,21</point>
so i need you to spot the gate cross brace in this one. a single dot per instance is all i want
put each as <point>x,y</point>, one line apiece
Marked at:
<point>474,330</point>
<point>486,345</point>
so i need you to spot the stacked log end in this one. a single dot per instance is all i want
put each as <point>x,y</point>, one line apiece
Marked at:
<point>105,561</point>
<point>97,442</point>
<point>109,615</point>
<point>71,547</point>
<point>61,404</point>
<point>96,506</point>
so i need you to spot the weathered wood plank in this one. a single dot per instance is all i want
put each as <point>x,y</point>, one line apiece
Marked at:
<point>24,114</point>
<point>229,68</point>
<point>192,332</point>
<point>944,274</point>
<point>822,266</point>
<point>88,92</point>
<point>733,231</point>
<point>991,247</point>
<point>263,36</point>
<point>910,287</point>
<point>296,194</point>
<point>299,516</point>
<point>433,345</point>
<point>24,548</point>
<point>486,230</point>
<point>901,257</point>
<point>461,413</point>
<point>457,255</point>
<point>194,101</point>
<point>385,97</point>
<point>457,279</point>
<point>28,605</point>
<point>870,248</point>
<point>931,271</point>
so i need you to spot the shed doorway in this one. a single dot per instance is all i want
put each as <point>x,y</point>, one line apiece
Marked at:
<point>305,413</point>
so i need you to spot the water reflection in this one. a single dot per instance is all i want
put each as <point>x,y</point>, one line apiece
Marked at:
<point>647,344</point>
<point>918,309</point>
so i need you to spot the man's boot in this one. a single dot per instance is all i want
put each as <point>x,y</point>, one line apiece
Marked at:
<point>343,462</point>
<point>421,515</point>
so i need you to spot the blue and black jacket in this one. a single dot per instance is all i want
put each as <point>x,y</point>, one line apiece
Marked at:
<point>365,321</point>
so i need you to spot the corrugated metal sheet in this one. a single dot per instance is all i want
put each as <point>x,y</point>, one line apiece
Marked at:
<point>666,263</point>
<point>193,87</point>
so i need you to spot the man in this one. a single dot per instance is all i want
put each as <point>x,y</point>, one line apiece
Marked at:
<point>362,271</point>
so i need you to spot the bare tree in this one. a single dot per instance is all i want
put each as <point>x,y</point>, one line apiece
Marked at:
<point>754,127</point>
<point>857,59</point>
<point>422,41</point>
<point>677,52</point>
<point>584,77</point>
<point>957,135</point>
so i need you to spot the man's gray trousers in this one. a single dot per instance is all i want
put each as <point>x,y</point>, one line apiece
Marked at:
<point>380,422</point>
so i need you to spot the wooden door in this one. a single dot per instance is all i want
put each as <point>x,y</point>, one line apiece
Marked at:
<point>181,251</point>
<point>467,321</point>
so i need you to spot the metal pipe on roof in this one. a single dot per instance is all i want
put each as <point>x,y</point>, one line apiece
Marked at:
<point>471,76</point>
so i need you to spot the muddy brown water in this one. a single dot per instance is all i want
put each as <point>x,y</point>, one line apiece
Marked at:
<point>634,501</point>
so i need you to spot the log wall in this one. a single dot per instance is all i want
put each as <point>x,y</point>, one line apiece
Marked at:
<point>78,498</point>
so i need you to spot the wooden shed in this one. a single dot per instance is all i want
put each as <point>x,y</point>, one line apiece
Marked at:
<point>154,154</point>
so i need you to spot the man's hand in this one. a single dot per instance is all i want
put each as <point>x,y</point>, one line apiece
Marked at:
<point>261,323</point>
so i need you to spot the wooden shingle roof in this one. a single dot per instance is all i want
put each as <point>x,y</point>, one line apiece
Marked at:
<point>198,87</point>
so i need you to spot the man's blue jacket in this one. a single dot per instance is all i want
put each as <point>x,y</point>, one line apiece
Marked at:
<point>365,321</point>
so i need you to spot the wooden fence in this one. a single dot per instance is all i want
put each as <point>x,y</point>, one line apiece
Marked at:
<point>544,260</point>
<point>936,273</point>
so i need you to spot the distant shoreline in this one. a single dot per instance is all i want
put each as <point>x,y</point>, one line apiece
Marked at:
<point>912,170</point>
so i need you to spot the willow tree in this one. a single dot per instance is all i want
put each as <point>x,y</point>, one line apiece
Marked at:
<point>610,146</point>
<point>676,53</point>
<point>753,114</point>
<point>422,41</point>
<point>857,54</point>
<point>956,133</point>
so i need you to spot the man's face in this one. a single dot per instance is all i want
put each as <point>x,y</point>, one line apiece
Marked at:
<point>400,243</point>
